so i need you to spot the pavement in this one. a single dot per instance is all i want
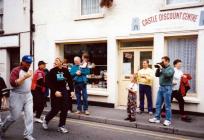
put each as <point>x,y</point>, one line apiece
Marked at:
<point>116,117</point>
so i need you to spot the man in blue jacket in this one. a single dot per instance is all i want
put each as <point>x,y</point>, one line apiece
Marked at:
<point>79,73</point>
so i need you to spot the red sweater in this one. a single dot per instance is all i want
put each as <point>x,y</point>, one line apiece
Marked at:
<point>185,85</point>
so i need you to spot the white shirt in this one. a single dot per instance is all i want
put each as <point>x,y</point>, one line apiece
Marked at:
<point>177,79</point>
<point>133,87</point>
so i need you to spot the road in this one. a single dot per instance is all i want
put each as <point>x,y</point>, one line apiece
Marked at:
<point>83,130</point>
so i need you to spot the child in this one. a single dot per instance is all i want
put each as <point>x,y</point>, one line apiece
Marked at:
<point>132,98</point>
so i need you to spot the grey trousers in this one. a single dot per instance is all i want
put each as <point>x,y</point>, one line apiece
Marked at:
<point>20,103</point>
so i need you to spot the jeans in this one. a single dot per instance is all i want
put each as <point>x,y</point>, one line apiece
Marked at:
<point>178,96</point>
<point>19,103</point>
<point>81,90</point>
<point>145,89</point>
<point>164,95</point>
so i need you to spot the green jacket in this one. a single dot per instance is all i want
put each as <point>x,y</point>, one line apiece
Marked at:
<point>165,76</point>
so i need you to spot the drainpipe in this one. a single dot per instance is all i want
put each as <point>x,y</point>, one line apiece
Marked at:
<point>31,33</point>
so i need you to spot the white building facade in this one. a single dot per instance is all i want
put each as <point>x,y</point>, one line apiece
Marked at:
<point>14,34</point>
<point>118,38</point>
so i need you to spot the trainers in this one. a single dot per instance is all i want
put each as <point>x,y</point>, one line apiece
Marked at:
<point>150,113</point>
<point>38,120</point>
<point>29,137</point>
<point>62,130</point>
<point>166,123</point>
<point>78,112</point>
<point>87,113</point>
<point>44,124</point>
<point>154,120</point>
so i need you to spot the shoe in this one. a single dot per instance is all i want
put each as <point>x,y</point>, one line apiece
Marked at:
<point>163,115</point>
<point>132,119</point>
<point>38,120</point>
<point>2,133</point>
<point>44,124</point>
<point>87,113</point>
<point>166,123</point>
<point>140,111</point>
<point>150,113</point>
<point>154,120</point>
<point>186,119</point>
<point>29,137</point>
<point>62,130</point>
<point>127,119</point>
<point>1,123</point>
<point>78,112</point>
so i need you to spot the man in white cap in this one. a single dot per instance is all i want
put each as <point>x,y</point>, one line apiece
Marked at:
<point>21,98</point>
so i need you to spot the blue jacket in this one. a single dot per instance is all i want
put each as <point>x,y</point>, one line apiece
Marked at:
<point>83,77</point>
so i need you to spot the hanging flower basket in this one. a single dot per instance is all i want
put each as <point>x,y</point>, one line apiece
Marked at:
<point>106,3</point>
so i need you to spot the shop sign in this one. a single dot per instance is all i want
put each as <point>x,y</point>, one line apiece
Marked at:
<point>171,20</point>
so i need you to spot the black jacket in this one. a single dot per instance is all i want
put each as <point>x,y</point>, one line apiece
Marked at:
<point>2,85</point>
<point>58,79</point>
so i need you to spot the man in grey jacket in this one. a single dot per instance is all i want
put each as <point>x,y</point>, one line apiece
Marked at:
<point>21,98</point>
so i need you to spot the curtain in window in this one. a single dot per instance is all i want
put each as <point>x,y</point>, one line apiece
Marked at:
<point>90,7</point>
<point>180,1</point>
<point>184,49</point>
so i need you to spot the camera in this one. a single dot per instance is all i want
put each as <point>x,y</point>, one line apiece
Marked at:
<point>157,65</point>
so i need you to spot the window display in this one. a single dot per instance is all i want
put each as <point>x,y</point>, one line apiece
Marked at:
<point>97,61</point>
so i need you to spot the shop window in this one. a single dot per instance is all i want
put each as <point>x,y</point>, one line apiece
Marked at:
<point>97,64</point>
<point>184,49</point>
<point>173,2</point>
<point>90,7</point>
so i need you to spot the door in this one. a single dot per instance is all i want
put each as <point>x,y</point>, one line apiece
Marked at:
<point>130,62</point>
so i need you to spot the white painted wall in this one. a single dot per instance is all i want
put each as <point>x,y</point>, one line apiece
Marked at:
<point>16,16</point>
<point>55,20</point>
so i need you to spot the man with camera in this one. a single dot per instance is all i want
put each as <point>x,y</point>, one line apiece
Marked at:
<point>165,73</point>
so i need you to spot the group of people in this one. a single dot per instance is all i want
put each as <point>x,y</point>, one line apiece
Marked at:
<point>29,91</point>
<point>173,83</point>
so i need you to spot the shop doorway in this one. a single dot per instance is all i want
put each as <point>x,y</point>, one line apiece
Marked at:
<point>130,62</point>
<point>14,54</point>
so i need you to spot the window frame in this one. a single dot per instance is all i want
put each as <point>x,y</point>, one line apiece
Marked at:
<point>89,16</point>
<point>1,21</point>
<point>181,5</point>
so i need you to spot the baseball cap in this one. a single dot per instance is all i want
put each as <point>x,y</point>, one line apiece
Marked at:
<point>27,58</point>
<point>41,63</point>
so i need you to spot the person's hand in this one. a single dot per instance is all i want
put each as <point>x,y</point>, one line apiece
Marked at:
<point>72,94</point>
<point>160,67</point>
<point>78,72</point>
<point>143,76</point>
<point>58,94</point>
<point>28,74</point>
<point>184,76</point>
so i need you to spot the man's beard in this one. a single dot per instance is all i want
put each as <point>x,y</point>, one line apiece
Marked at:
<point>25,69</point>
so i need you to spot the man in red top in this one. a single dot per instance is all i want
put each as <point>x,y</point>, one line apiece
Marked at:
<point>38,91</point>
